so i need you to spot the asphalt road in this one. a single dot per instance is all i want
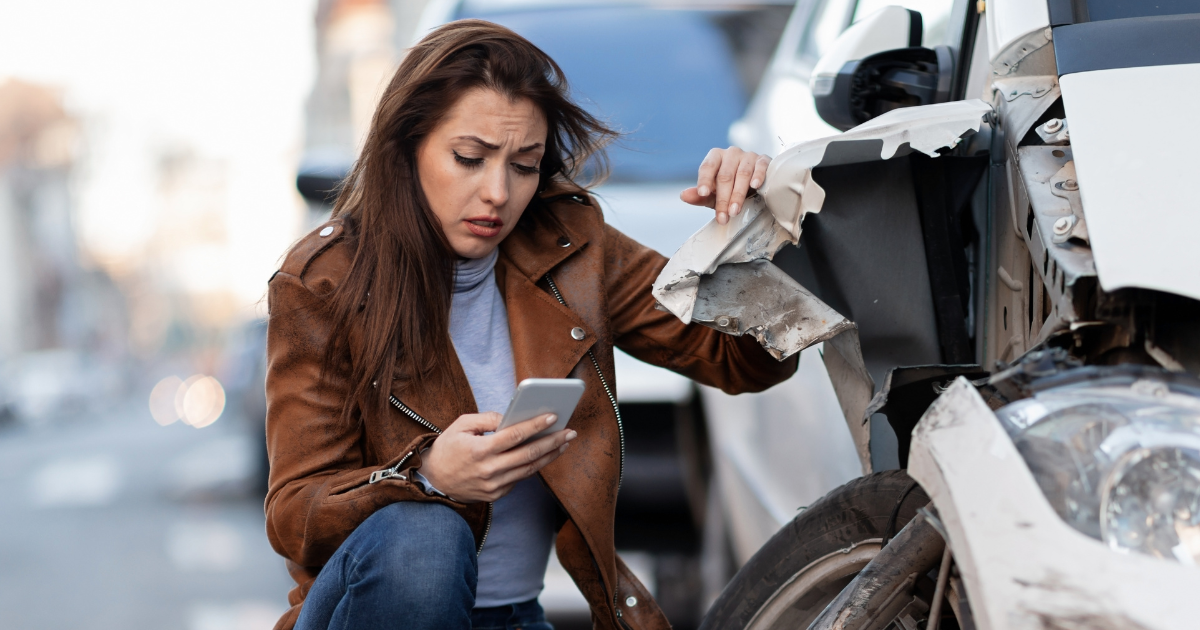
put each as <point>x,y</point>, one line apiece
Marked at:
<point>114,522</point>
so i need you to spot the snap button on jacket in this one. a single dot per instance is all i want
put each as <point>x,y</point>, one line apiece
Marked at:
<point>321,485</point>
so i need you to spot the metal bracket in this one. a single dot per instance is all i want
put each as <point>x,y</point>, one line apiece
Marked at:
<point>1064,184</point>
<point>1054,131</point>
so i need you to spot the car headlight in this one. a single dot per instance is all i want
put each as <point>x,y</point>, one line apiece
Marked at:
<point>1151,503</point>
<point>1118,461</point>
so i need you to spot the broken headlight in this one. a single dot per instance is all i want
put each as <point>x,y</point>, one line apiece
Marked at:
<point>1118,462</point>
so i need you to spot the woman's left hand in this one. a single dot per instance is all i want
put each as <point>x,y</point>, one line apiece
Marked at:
<point>726,177</point>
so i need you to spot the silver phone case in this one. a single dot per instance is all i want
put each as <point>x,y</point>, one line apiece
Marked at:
<point>537,396</point>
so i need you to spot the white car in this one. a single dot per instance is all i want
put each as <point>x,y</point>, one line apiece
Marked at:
<point>984,261</point>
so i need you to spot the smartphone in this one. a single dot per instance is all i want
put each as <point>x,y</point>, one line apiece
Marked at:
<point>537,396</point>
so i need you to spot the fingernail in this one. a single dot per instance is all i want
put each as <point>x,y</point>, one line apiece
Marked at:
<point>733,209</point>
<point>571,435</point>
<point>551,419</point>
<point>703,191</point>
<point>754,183</point>
<point>563,448</point>
<point>721,218</point>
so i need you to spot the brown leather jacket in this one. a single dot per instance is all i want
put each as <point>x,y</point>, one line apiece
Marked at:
<point>327,475</point>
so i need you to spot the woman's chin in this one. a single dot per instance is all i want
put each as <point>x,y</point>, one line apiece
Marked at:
<point>475,247</point>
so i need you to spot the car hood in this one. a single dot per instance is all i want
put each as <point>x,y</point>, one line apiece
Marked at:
<point>1135,143</point>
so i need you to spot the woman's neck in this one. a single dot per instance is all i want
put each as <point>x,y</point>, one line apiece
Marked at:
<point>469,272</point>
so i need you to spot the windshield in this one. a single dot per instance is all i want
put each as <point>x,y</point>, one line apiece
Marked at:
<point>671,80</point>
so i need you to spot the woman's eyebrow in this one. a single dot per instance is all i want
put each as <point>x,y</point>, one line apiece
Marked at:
<point>488,145</point>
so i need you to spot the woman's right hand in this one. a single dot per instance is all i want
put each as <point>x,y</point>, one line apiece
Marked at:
<point>469,466</point>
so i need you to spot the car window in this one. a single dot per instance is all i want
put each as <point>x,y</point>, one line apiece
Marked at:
<point>828,21</point>
<point>671,80</point>
<point>935,17</point>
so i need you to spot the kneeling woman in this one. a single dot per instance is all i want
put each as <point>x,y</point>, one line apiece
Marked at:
<point>462,258</point>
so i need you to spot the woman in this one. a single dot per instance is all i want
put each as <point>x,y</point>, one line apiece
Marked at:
<point>462,258</point>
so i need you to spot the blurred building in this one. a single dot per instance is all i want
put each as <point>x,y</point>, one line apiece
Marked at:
<point>359,44</point>
<point>56,315</point>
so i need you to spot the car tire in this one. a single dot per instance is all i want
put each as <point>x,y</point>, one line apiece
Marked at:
<point>791,579</point>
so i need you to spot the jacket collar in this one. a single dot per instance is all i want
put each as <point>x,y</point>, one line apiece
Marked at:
<point>547,234</point>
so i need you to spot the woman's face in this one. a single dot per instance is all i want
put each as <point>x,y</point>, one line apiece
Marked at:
<point>479,168</point>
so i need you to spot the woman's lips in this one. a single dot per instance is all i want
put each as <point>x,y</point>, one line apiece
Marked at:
<point>484,226</point>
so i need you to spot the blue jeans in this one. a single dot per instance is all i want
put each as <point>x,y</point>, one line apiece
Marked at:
<point>409,565</point>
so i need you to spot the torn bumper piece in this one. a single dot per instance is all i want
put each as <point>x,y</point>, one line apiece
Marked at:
<point>760,299</point>
<point>722,278</point>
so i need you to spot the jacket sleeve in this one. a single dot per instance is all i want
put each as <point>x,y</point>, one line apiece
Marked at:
<point>319,488</point>
<point>733,364</point>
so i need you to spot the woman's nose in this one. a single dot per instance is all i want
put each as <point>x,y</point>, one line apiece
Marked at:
<point>495,186</point>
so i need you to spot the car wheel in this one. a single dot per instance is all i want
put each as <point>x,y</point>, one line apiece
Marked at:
<point>791,579</point>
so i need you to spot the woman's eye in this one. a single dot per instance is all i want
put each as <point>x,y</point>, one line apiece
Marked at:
<point>466,161</point>
<point>527,170</point>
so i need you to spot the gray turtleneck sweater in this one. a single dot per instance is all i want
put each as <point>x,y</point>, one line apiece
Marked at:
<point>513,562</point>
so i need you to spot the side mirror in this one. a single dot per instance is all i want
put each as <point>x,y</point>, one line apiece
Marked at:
<point>878,65</point>
<point>320,173</point>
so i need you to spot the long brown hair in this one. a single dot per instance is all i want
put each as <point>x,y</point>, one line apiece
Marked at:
<point>395,300</point>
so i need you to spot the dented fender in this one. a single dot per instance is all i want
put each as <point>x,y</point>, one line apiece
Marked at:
<point>722,276</point>
<point>1023,566</point>
<point>774,218</point>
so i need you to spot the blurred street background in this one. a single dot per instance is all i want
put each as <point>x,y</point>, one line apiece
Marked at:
<point>147,169</point>
<point>149,154</point>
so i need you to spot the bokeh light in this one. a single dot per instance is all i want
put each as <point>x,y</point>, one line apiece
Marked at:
<point>181,393</point>
<point>203,402</point>
<point>162,400</point>
<point>197,401</point>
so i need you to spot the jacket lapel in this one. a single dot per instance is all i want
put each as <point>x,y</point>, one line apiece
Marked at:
<point>541,328</point>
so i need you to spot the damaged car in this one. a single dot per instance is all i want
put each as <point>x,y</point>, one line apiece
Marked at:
<point>994,261</point>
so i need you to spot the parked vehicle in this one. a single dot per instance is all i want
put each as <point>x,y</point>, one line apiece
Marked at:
<point>1001,241</point>
<point>782,111</point>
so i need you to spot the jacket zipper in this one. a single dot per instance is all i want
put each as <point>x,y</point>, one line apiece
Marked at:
<point>607,390</point>
<point>380,475</point>
<point>404,409</point>
<point>620,432</point>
